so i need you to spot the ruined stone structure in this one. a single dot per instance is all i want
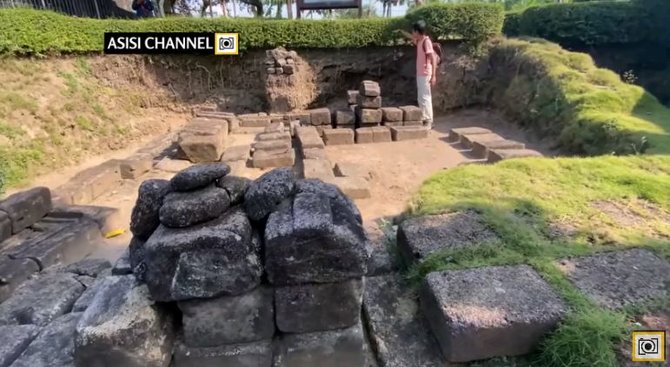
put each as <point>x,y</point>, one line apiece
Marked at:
<point>290,82</point>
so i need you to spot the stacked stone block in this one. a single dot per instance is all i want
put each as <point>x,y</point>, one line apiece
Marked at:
<point>280,61</point>
<point>411,116</point>
<point>204,139</point>
<point>321,119</point>
<point>273,149</point>
<point>368,104</point>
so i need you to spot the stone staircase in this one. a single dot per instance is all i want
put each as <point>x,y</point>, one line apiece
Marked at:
<point>488,146</point>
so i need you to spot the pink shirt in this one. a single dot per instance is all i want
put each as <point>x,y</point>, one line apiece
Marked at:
<point>423,49</point>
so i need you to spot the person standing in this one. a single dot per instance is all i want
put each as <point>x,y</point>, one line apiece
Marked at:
<point>426,70</point>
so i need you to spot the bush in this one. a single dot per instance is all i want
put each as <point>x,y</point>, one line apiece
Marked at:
<point>512,23</point>
<point>27,31</point>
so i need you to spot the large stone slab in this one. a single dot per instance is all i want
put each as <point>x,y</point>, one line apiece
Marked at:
<point>236,153</point>
<point>482,148</point>
<point>334,348</point>
<point>203,148</point>
<point>13,273</point>
<point>41,300</point>
<point>489,312</point>
<point>92,183</point>
<point>306,243</point>
<point>347,169</point>
<point>309,138</point>
<point>124,327</point>
<point>90,267</point>
<point>391,114</point>
<point>277,135</point>
<point>198,176</point>
<point>268,191</point>
<point>123,265</point>
<point>258,121</point>
<point>235,186</point>
<point>369,88</point>
<point>368,115</point>
<point>456,133</point>
<point>272,146</point>
<point>144,219</point>
<point>411,113</point>
<point>353,187</point>
<point>369,102</point>
<point>364,135</point>
<point>256,354</point>
<point>412,123</point>
<point>26,207</point>
<point>320,116</point>
<point>398,331</point>
<point>307,308</point>
<point>468,140</point>
<point>344,117</point>
<point>107,218</point>
<point>400,133</point>
<point>317,168</point>
<point>314,153</point>
<point>53,347</point>
<point>338,136</point>
<point>5,227</point>
<point>497,155</point>
<point>14,339</point>
<point>352,96</point>
<point>203,261</point>
<point>263,159</point>
<point>88,296</point>
<point>422,236</point>
<point>229,320</point>
<point>136,166</point>
<point>381,134</point>
<point>343,208</point>
<point>619,279</point>
<point>184,209</point>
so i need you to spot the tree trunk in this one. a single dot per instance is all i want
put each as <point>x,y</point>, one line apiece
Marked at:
<point>280,5</point>
<point>224,8</point>
<point>289,8</point>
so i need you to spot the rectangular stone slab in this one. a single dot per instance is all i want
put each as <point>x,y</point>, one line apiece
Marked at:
<point>203,148</point>
<point>456,133</point>
<point>320,116</point>
<point>236,153</point>
<point>26,207</point>
<point>346,169</point>
<point>263,159</point>
<point>107,218</point>
<point>489,312</point>
<point>391,114</point>
<point>412,123</point>
<point>352,96</point>
<point>468,140</point>
<point>278,135</point>
<point>317,168</point>
<point>54,346</point>
<point>304,117</point>
<point>398,332</point>
<point>353,187</point>
<point>136,166</point>
<point>13,273</point>
<point>338,137</point>
<point>381,134</point>
<point>314,153</point>
<point>392,123</point>
<point>14,339</point>
<point>411,113</point>
<point>272,146</point>
<point>5,227</point>
<point>368,115</point>
<point>344,117</point>
<point>408,133</point>
<point>369,88</point>
<point>318,307</point>
<point>497,155</point>
<point>255,122</point>
<point>481,148</point>
<point>364,135</point>
<point>369,102</point>
<point>256,354</point>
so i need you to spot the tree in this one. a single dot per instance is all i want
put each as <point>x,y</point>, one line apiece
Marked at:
<point>255,5</point>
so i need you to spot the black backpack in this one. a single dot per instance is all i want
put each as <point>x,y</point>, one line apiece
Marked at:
<point>437,49</point>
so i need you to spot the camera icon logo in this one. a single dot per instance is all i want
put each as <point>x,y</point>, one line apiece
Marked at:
<point>649,346</point>
<point>226,44</point>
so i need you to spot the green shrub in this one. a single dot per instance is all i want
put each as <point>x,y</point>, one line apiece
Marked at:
<point>27,31</point>
<point>512,23</point>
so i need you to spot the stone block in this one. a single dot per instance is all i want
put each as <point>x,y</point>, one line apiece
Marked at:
<point>306,241</point>
<point>87,297</point>
<point>338,136</point>
<point>412,123</point>
<point>369,88</point>
<point>317,168</point>
<point>272,146</point>
<point>344,117</point>
<point>122,265</point>
<point>288,69</point>
<point>202,261</point>
<point>364,135</point>
<point>618,279</point>
<point>26,207</point>
<point>466,309</point>
<point>368,115</point>
<point>293,126</point>
<point>5,227</point>
<point>144,218</point>
<point>481,149</point>
<point>369,102</point>
<point>421,236</point>
<point>308,308</point>
<point>235,186</point>
<point>124,327</point>
<point>136,166</point>
<point>107,218</point>
<point>53,346</point>
<point>392,123</point>
<point>352,96</point>
<point>397,330</point>
<point>14,339</point>
<point>322,128</point>
<point>314,153</point>
<point>41,300</point>
<point>13,273</point>
<point>320,116</point>
<point>381,134</point>
<point>268,191</point>
<point>408,133</point>
<point>206,126</point>
<point>229,320</point>
<point>456,133</point>
<point>353,187</point>
<point>381,261</point>
<point>258,121</point>
<point>309,137</point>
<point>236,153</point>
<point>283,135</point>
<point>256,354</point>
<point>304,117</point>
<point>90,267</point>
<point>391,114</point>
<point>497,155</point>
<point>468,140</point>
<point>264,159</point>
<point>184,209</point>
<point>198,176</point>
<point>346,169</point>
<point>202,148</point>
<point>334,348</point>
<point>411,113</point>
<point>171,165</point>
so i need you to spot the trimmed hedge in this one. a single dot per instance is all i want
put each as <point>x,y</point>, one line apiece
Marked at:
<point>28,31</point>
<point>512,24</point>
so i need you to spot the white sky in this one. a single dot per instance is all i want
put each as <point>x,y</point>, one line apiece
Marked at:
<point>399,10</point>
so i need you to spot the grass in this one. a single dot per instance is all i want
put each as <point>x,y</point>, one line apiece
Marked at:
<point>524,200</point>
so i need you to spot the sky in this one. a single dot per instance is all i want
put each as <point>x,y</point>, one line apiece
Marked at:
<point>399,10</point>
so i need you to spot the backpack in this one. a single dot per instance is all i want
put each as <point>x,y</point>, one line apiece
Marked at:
<point>437,49</point>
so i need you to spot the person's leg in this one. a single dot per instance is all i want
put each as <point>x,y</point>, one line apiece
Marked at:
<point>424,99</point>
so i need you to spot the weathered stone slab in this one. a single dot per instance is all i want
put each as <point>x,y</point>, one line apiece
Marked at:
<point>456,133</point>
<point>198,176</point>
<point>422,236</point>
<point>235,186</point>
<point>468,140</point>
<point>322,128</point>
<point>352,96</point>
<point>369,102</point>
<point>411,113</point>
<point>369,88</point>
<point>144,219</point>
<point>136,166</point>
<point>259,121</point>
<point>497,155</point>
<point>229,320</point>
<point>123,327</point>
<point>14,339</point>
<point>346,169</point>
<point>368,115</point>
<point>275,126</point>
<point>481,149</point>
<point>381,134</point>
<point>256,354</point>
<point>343,208</point>
<point>320,116</point>
<point>338,136</point>
<point>334,348</point>
<point>53,347</point>
<point>408,133</point>
<point>264,159</point>
<point>353,187</point>
<point>380,261</point>
<point>89,267</point>
<point>364,135</point>
<point>202,148</point>
<point>5,227</point>
<point>317,168</point>
<point>95,182</point>
<point>268,191</point>
<point>467,309</point>
<point>202,261</point>
<point>619,279</point>
<point>303,116</point>
<point>39,301</point>
<point>293,126</point>
<point>87,297</point>
<point>26,207</point>
<point>398,331</point>
<point>123,266</point>
<point>236,153</point>
<point>309,140</point>
<point>172,165</point>
<point>183,209</point>
<point>308,308</point>
<point>272,146</point>
<point>13,273</point>
<point>344,117</point>
<point>107,218</point>
<point>391,114</point>
<point>274,136</point>
<point>412,123</point>
<point>314,153</point>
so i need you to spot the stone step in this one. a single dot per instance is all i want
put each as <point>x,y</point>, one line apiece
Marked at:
<point>482,148</point>
<point>468,140</point>
<point>353,187</point>
<point>401,133</point>
<point>497,155</point>
<point>456,133</point>
<point>317,168</point>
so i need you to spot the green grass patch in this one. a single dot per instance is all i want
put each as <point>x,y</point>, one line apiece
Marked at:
<point>10,101</point>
